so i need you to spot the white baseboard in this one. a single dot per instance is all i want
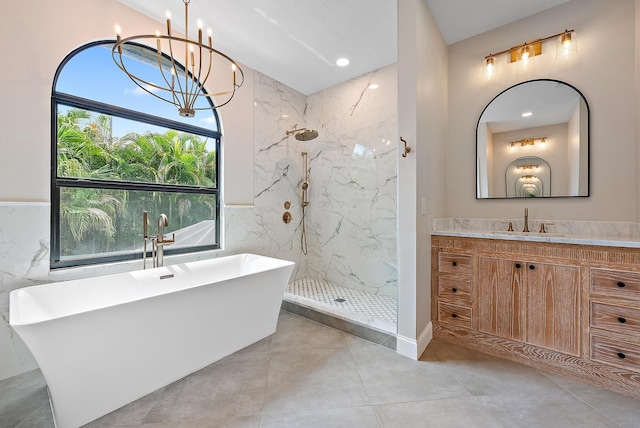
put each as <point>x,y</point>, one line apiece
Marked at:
<point>412,348</point>
<point>424,339</point>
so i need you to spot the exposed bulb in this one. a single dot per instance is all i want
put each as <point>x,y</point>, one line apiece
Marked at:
<point>118,29</point>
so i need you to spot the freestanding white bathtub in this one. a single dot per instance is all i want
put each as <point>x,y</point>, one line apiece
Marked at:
<point>104,342</point>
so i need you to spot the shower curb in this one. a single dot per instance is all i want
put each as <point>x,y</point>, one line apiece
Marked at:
<point>348,326</point>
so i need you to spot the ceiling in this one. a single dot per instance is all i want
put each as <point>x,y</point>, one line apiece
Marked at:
<point>297,42</point>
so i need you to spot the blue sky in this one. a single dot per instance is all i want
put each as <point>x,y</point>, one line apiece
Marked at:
<point>93,74</point>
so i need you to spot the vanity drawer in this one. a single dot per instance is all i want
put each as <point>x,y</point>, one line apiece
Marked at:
<point>615,283</point>
<point>455,263</point>
<point>454,289</point>
<point>456,315</point>
<point>615,353</point>
<point>615,318</point>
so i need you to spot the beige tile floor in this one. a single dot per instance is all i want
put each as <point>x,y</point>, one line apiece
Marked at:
<point>310,375</point>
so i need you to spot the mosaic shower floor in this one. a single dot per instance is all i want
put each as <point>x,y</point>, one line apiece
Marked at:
<point>378,312</point>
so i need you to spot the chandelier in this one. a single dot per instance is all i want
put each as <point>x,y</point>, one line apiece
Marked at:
<point>180,84</point>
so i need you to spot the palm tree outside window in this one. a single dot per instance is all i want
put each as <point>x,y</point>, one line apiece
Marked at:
<point>118,151</point>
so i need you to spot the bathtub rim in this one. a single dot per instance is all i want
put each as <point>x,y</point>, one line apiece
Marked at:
<point>15,296</point>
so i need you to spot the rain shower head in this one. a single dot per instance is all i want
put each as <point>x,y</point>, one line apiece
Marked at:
<point>304,134</point>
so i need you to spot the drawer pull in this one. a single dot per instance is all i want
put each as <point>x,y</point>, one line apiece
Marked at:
<point>454,289</point>
<point>532,267</point>
<point>517,265</point>
<point>622,320</point>
<point>454,263</point>
<point>621,356</point>
<point>456,316</point>
<point>621,284</point>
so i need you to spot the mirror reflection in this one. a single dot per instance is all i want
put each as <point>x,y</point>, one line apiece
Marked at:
<point>532,141</point>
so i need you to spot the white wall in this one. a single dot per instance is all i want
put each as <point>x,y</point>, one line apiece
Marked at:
<point>422,106</point>
<point>637,106</point>
<point>604,73</point>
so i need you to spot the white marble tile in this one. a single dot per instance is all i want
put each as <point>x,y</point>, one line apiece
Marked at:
<point>621,234</point>
<point>24,261</point>
<point>353,204</point>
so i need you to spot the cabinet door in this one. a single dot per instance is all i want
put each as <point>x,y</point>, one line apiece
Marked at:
<point>500,297</point>
<point>553,307</point>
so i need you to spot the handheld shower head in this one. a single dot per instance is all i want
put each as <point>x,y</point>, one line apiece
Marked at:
<point>304,134</point>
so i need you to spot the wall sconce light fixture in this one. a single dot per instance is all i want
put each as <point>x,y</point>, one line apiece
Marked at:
<point>528,167</point>
<point>528,142</point>
<point>566,48</point>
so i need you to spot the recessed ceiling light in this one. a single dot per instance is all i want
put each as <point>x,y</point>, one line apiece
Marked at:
<point>373,86</point>
<point>342,62</point>
<point>527,114</point>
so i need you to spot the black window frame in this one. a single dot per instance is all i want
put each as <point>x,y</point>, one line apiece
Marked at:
<point>59,98</point>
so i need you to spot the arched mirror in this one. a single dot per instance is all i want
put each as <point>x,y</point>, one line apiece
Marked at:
<point>539,123</point>
<point>528,177</point>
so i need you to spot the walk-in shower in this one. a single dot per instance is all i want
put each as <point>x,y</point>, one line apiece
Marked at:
<point>348,211</point>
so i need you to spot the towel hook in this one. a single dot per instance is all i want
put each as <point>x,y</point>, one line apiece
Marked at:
<point>406,149</point>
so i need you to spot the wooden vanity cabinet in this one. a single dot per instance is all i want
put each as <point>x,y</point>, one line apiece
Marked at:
<point>553,307</point>
<point>501,297</point>
<point>614,317</point>
<point>536,303</point>
<point>454,286</point>
<point>569,309</point>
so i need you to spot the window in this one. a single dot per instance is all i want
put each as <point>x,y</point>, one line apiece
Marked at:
<point>118,151</point>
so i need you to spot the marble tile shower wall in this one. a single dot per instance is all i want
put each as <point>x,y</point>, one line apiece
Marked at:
<point>351,219</point>
<point>277,177</point>
<point>352,216</point>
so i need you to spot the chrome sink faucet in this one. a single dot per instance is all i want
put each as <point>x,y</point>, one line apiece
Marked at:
<point>526,220</point>
<point>157,242</point>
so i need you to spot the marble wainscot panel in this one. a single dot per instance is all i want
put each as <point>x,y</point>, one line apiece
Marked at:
<point>24,261</point>
<point>619,234</point>
<point>353,179</point>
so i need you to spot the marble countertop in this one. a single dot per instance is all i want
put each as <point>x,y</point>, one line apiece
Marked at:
<point>610,234</point>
